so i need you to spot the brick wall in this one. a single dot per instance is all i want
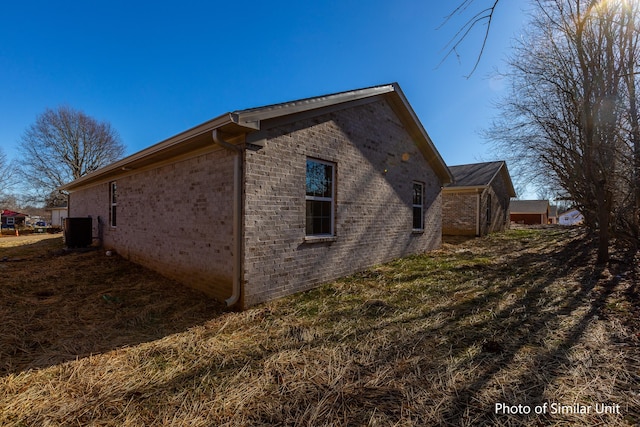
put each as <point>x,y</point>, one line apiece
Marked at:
<point>459,213</point>
<point>499,199</point>
<point>460,210</point>
<point>175,219</point>
<point>376,164</point>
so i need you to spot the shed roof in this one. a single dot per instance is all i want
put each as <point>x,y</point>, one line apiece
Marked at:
<point>238,124</point>
<point>479,176</point>
<point>10,213</point>
<point>529,206</point>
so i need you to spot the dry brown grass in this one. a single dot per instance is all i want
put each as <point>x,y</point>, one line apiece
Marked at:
<point>522,318</point>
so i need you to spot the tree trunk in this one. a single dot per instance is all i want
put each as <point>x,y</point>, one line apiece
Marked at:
<point>604,209</point>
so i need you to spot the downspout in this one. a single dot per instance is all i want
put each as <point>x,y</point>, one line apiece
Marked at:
<point>237,212</point>
<point>478,214</point>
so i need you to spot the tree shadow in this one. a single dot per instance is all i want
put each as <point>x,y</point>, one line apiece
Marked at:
<point>531,319</point>
<point>58,305</point>
<point>526,317</point>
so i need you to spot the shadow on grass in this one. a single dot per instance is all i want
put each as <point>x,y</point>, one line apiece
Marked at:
<point>58,305</point>
<point>513,341</point>
<point>527,314</point>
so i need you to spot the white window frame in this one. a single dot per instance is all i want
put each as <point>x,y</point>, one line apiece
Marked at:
<point>11,220</point>
<point>416,205</point>
<point>113,204</point>
<point>323,199</point>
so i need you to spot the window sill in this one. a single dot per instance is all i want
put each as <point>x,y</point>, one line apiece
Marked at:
<point>320,239</point>
<point>417,231</point>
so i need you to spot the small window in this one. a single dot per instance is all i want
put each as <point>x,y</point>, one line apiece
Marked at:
<point>488,211</point>
<point>113,204</point>
<point>418,207</point>
<point>11,221</point>
<point>320,198</point>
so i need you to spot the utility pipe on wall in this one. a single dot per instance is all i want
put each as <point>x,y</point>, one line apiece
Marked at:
<point>237,212</point>
<point>478,205</point>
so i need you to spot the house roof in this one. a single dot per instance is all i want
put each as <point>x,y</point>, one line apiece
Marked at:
<point>571,211</point>
<point>478,176</point>
<point>237,125</point>
<point>10,213</point>
<point>529,207</point>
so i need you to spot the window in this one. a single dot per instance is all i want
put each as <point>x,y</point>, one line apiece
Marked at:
<point>113,203</point>
<point>418,206</point>
<point>320,198</point>
<point>11,221</point>
<point>488,212</point>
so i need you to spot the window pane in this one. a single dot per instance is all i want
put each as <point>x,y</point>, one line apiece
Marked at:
<point>417,194</point>
<point>417,218</point>
<point>418,207</point>
<point>113,192</point>
<point>318,217</point>
<point>319,179</point>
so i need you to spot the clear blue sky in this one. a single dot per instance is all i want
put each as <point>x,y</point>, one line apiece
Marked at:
<point>154,69</point>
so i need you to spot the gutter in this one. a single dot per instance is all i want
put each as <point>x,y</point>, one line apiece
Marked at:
<point>237,212</point>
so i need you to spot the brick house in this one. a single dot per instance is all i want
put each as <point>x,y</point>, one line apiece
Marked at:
<point>530,212</point>
<point>261,203</point>
<point>477,201</point>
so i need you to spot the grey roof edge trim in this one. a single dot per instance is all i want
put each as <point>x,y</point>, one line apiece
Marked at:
<point>507,176</point>
<point>255,115</point>
<point>249,119</point>
<point>151,151</point>
<point>453,189</point>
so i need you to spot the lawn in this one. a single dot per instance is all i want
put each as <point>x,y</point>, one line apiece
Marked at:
<point>483,332</point>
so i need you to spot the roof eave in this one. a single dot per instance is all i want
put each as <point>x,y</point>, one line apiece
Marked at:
<point>392,92</point>
<point>467,188</point>
<point>184,142</point>
<point>507,177</point>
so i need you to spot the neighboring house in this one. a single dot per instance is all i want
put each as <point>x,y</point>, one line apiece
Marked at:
<point>261,203</point>
<point>553,215</point>
<point>58,214</point>
<point>477,201</point>
<point>530,212</point>
<point>11,219</point>
<point>571,217</point>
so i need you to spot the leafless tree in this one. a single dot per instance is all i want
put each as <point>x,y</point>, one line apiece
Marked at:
<point>8,174</point>
<point>570,115</point>
<point>65,144</point>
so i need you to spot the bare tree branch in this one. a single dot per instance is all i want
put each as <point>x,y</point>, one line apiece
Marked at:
<point>484,15</point>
